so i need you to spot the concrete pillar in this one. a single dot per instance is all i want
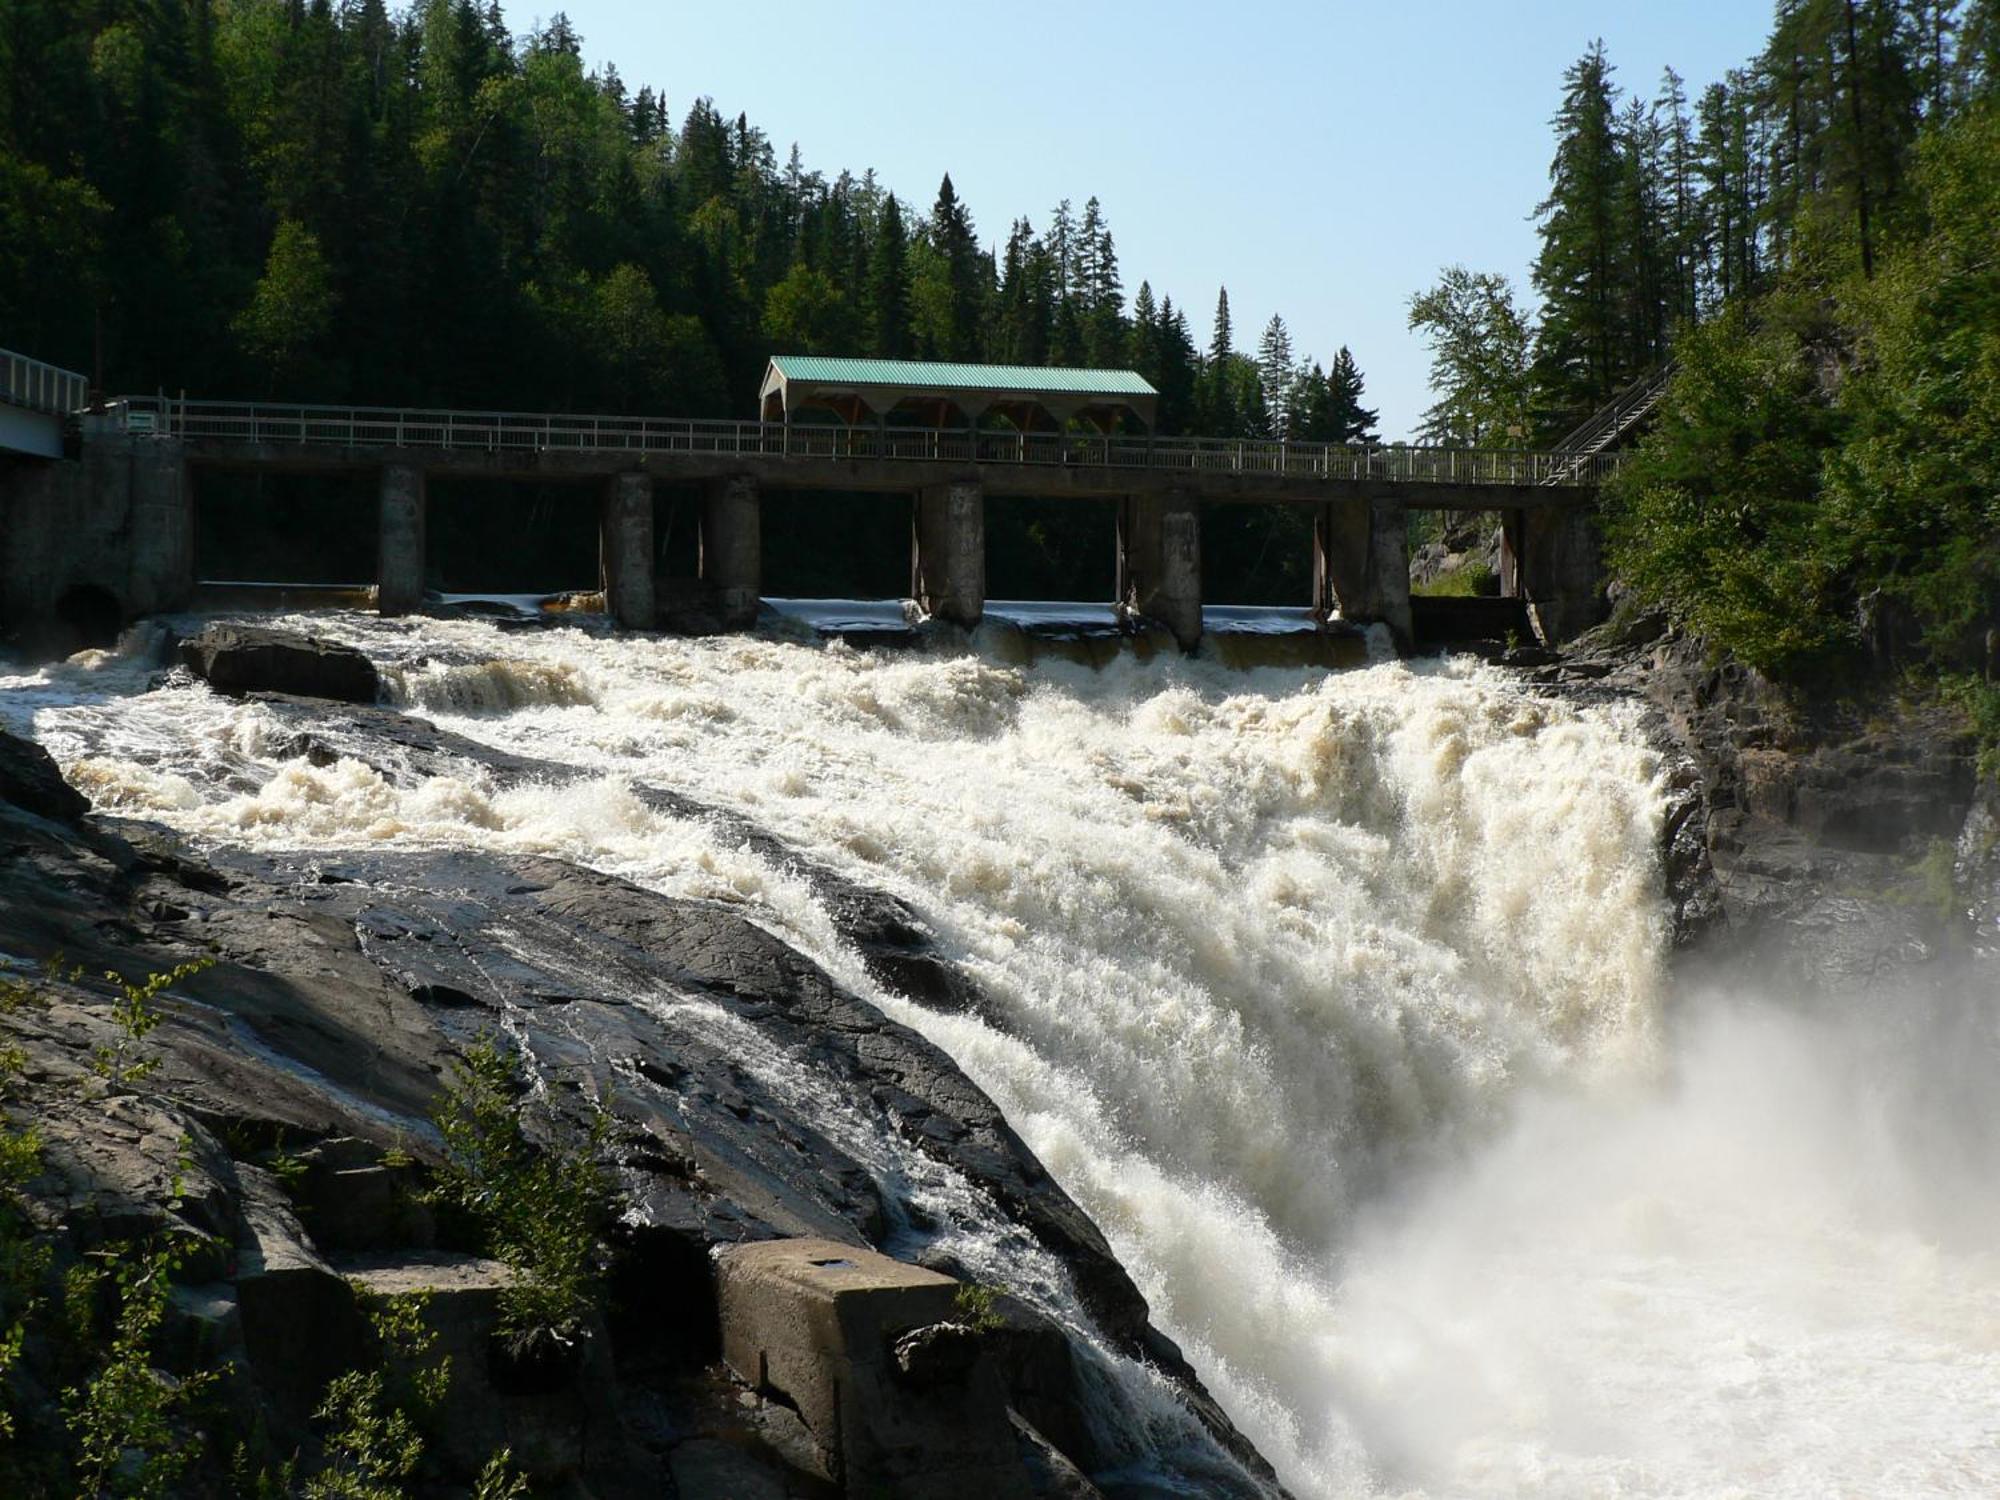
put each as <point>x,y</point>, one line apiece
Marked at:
<point>1159,562</point>
<point>625,550</point>
<point>399,570</point>
<point>1361,563</point>
<point>732,549</point>
<point>948,552</point>
<point>1560,563</point>
<point>162,567</point>
<point>1510,554</point>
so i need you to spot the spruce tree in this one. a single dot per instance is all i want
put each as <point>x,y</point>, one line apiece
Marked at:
<point>951,237</point>
<point>1145,345</point>
<point>889,284</point>
<point>1348,421</point>
<point>1219,412</point>
<point>1277,374</point>
<point>1581,354</point>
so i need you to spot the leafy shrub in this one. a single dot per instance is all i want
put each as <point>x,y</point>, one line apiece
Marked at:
<point>539,1210</point>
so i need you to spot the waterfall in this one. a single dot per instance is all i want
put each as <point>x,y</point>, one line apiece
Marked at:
<point>1338,999</point>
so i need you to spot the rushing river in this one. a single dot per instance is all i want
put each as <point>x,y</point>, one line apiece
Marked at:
<point>1338,998</point>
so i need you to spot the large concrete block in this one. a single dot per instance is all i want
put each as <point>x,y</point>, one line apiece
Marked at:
<point>1559,567</point>
<point>399,577</point>
<point>1361,564</point>
<point>162,529</point>
<point>732,549</point>
<point>816,1323</point>
<point>1159,562</point>
<point>948,553</point>
<point>625,548</point>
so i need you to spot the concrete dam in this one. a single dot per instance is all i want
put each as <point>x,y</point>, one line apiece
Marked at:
<point>109,529</point>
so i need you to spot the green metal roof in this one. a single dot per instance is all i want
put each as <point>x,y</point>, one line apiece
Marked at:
<point>924,375</point>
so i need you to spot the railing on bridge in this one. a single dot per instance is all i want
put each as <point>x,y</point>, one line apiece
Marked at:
<point>35,386</point>
<point>463,431</point>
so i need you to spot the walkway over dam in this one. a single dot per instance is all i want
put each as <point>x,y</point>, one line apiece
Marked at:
<point>121,518</point>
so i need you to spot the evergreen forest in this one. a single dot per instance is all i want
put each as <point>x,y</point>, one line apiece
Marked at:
<point>340,201</point>
<point>1814,242</point>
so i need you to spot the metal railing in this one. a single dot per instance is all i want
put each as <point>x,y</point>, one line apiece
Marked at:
<point>473,431</point>
<point>37,386</point>
<point>1620,414</point>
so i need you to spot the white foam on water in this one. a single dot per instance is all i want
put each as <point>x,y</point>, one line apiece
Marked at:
<point>1335,998</point>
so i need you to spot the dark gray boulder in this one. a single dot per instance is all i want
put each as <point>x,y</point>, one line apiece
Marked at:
<point>31,781</point>
<point>254,659</point>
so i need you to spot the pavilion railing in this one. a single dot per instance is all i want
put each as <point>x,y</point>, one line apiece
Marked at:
<point>476,431</point>
<point>37,386</point>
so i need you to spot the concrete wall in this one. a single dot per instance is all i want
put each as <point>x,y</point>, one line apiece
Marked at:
<point>732,549</point>
<point>399,574</point>
<point>625,547</point>
<point>34,433</point>
<point>1361,564</point>
<point>948,553</point>
<point>1159,562</point>
<point>120,519</point>
<point>1559,566</point>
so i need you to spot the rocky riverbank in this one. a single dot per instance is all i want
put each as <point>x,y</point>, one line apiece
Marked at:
<point>282,1126</point>
<point>1824,843</point>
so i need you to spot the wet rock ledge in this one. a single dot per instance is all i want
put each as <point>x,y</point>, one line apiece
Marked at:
<point>286,1135</point>
<point>1834,840</point>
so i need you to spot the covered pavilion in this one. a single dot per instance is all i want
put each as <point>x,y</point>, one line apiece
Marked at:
<point>872,391</point>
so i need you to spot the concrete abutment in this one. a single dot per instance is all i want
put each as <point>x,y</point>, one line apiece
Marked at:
<point>948,552</point>
<point>1553,560</point>
<point>732,549</point>
<point>116,524</point>
<point>399,572</point>
<point>625,550</point>
<point>1361,564</point>
<point>1159,562</point>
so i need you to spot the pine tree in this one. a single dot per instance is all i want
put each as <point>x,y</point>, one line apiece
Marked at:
<point>1581,349</point>
<point>951,237</point>
<point>1348,421</point>
<point>1145,345</point>
<point>1179,367</point>
<point>1311,418</point>
<point>889,283</point>
<point>1219,412</point>
<point>1277,374</point>
<point>1104,332</point>
<point>1682,248</point>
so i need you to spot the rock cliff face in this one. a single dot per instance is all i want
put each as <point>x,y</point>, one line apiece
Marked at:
<point>1828,844</point>
<point>314,1049</point>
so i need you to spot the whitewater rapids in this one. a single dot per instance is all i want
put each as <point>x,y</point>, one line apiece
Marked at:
<point>1338,999</point>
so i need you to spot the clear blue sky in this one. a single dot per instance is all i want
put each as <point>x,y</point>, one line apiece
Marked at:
<point>1323,160</point>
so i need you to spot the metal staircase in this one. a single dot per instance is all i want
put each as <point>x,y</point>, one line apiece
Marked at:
<point>1609,424</point>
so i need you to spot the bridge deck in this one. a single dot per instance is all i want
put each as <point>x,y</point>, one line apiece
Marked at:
<point>539,445</point>
<point>35,398</point>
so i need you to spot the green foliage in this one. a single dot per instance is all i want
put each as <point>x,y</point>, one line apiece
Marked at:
<point>25,1256</point>
<point>1479,345</point>
<point>1979,701</point>
<point>292,306</point>
<point>1717,514</point>
<point>978,1307</point>
<point>539,1209</point>
<point>1838,441</point>
<point>1471,581</point>
<point>1913,495</point>
<point>498,1481</point>
<point>372,1448</point>
<point>137,1012</point>
<point>129,1419</point>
